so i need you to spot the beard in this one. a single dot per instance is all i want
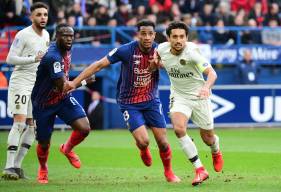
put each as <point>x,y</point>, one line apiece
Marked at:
<point>40,26</point>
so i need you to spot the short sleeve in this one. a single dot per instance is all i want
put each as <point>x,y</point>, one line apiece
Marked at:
<point>200,61</point>
<point>54,67</point>
<point>114,55</point>
<point>18,45</point>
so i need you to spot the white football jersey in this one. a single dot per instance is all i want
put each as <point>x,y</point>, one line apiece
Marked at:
<point>26,45</point>
<point>185,70</point>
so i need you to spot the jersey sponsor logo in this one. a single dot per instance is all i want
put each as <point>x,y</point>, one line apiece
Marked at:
<point>141,71</point>
<point>175,73</point>
<point>57,67</point>
<point>112,52</point>
<point>143,77</point>
<point>137,56</point>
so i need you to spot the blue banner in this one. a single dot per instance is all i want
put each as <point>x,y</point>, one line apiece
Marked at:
<point>240,104</point>
<point>262,54</point>
<point>217,54</point>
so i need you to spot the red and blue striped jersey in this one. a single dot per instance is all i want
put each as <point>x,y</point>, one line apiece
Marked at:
<point>136,83</point>
<point>52,66</point>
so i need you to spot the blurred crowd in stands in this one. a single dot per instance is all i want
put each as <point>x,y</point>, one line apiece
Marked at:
<point>220,13</point>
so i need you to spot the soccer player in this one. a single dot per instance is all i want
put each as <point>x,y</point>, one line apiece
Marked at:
<point>189,97</point>
<point>25,53</point>
<point>137,94</point>
<point>49,101</point>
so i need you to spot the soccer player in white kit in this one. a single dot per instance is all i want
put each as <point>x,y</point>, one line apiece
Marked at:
<point>27,49</point>
<point>189,97</point>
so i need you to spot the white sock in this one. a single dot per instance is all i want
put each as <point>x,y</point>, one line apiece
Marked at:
<point>216,146</point>
<point>27,139</point>
<point>13,142</point>
<point>190,151</point>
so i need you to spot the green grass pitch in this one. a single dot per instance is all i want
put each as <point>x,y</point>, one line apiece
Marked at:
<point>111,162</point>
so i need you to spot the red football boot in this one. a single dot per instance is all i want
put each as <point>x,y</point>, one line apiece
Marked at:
<point>72,157</point>
<point>200,175</point>
<point>217,161</point>
<point>42,176</point>
<point>171,177</point>
<point>146,157</point>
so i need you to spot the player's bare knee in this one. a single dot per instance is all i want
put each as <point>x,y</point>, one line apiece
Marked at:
<point>163,146</point>
<point>142,143</point>
<point>85,130</point>
<point>30,122</point>
<point>208,139</point>
<point>180,130</point>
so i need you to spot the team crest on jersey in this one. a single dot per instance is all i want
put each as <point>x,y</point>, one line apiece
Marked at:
<point>112,52</point>
<point>183,62</point>
<point>57,67</point>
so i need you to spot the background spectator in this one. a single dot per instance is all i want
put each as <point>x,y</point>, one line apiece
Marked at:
<point>95,111</point>
<point>248,70</point>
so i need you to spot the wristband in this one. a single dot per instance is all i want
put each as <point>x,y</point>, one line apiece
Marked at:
<point>84,82</point>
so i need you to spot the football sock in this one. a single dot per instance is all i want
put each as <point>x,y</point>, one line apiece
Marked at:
<point>166,157</point>
<point>27,139</point>
<point>190,151</point>
<point>75,138</point>
<point>42,154</point>
<point>13,142</point>
<point>215,147</point>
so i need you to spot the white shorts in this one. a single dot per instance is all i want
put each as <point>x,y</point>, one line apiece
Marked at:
<point>199,111</point>
<point>19,102</point>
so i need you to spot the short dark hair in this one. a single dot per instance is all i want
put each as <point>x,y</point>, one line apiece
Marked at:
<point>177,25</point>
<point>38,5</point>
<point>62,25</point>
<point>145,22</point>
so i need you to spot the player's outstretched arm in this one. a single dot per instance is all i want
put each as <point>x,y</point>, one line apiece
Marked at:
<point>87,73</point>
<point>211,78</point>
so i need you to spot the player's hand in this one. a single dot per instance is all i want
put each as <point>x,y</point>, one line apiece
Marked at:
<point>69,86</point>
<point>39,56</point>
<point>155,62</point>
<point>91,79</point>
<point>204,93</point>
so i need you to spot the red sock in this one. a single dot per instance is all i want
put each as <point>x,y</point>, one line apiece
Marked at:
<point>75,138</point>
<point>42,155</point>
<point>146,150</point>
<point>166,157</point>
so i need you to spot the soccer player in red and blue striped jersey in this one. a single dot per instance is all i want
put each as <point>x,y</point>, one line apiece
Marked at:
<point>49,101</point>
<point>137,93</point>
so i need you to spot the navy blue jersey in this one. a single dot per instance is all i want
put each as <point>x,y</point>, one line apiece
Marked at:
<point>52,66</point>
<point>136,83</point>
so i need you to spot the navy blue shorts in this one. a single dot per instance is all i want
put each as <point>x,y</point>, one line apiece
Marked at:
<point>67,110</point>
<point>148,113</point>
